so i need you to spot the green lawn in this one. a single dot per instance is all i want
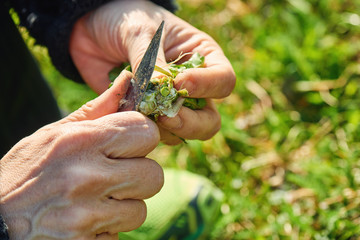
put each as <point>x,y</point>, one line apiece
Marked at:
<point>288,154</point>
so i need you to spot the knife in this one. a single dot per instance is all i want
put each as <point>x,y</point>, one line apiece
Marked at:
<point>143,74</point>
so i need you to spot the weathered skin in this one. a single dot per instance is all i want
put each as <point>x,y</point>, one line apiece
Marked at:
<point>120,31</point>
<point>83,177</point>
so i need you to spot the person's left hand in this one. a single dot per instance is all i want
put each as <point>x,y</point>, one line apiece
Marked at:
<point>83,177</point>
<point>120,31</point>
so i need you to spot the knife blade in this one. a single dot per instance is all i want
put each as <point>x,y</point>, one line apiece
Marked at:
<point>143,74</point>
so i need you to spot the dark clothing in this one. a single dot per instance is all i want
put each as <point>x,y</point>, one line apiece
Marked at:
<point>50,23</point>
<point>26,102</point>
<point>3,230</point>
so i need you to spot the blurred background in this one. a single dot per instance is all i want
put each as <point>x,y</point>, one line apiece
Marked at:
<point>288,154</point>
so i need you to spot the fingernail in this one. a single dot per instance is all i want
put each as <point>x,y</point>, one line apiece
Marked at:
<point>187,84</point>
<point>171,123</point>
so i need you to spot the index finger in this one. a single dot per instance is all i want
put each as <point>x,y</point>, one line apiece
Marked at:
<point>215,80</point>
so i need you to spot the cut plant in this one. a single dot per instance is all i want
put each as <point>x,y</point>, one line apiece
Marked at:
<point>161,97</point>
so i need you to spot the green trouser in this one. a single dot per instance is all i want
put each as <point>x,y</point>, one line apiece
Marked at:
<point>26,102</point>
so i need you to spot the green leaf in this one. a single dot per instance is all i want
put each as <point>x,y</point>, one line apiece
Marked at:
<point>196,61</point>
<point>195,103</point>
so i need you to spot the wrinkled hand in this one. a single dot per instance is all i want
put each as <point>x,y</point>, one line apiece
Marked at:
<point>120,31</point>
<point>84,177</point>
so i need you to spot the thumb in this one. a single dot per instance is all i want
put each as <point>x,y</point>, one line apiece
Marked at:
<point>106,103</point>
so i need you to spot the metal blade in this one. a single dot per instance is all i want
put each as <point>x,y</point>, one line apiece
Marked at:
<point>146,68</point>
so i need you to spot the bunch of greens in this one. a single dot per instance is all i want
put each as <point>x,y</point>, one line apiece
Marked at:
<point>161,98</point>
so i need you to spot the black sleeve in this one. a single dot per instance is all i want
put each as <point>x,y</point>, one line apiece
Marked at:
<point>50,22</point>
<point>3,230</point>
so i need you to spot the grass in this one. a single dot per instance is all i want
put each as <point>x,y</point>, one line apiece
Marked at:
<point>287,156</point>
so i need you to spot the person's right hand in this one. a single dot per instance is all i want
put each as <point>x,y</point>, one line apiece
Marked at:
<point>84,177</point>
<point>120,31</point>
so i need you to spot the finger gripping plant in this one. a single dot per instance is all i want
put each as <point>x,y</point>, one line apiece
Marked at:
<point>161,98</point>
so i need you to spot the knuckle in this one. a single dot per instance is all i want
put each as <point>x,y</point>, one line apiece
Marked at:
<point>79,180</point>
<point>142,212</point>
<point>157,175</point>
<point>137,215</point>
<point>189,80</point>
<point>133,217</point>
<point>152,132</point>
<point>87,107</point>
<point>66,222</point>
<point>78,220</point>
<point>215,127</point>
<point>147,175</point>
<point>82,113</point>
<point>148,129</point>
<point>74,139</point>
<point>231,82</point>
